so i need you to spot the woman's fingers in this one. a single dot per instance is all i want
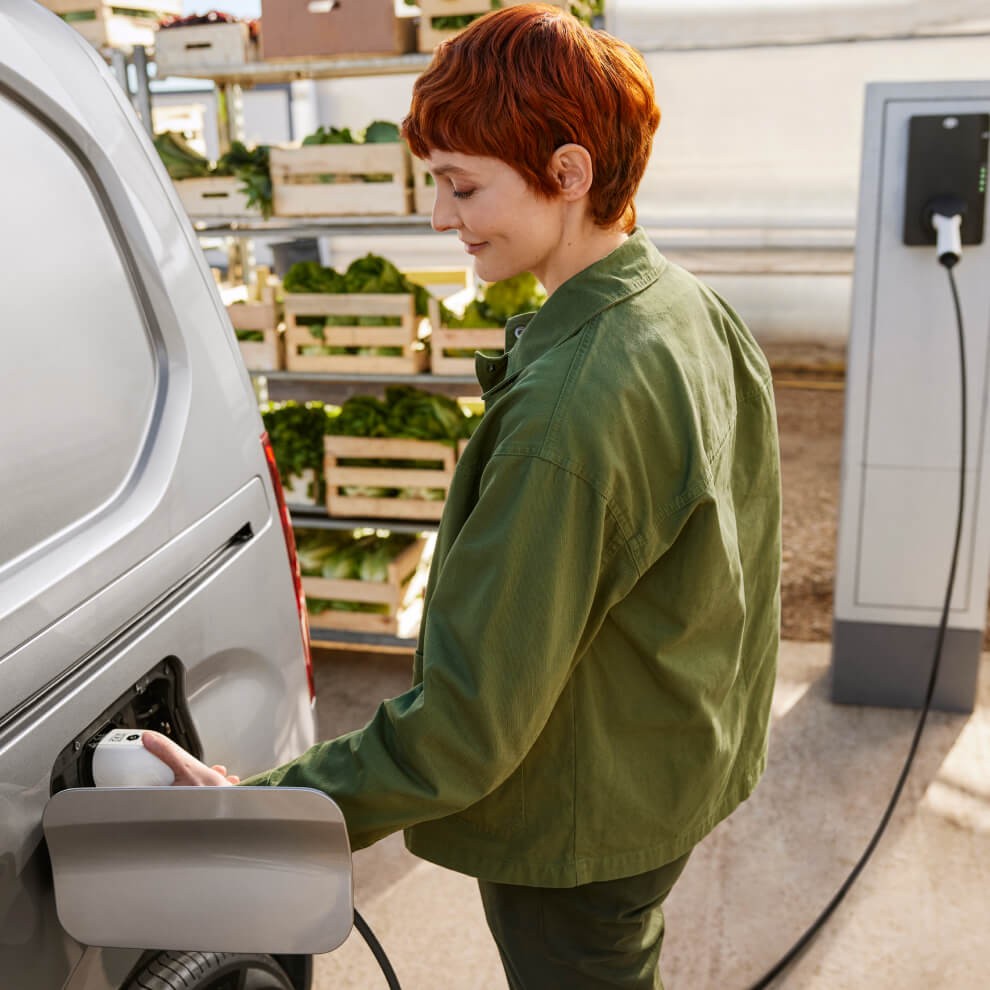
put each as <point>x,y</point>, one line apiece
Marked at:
<point>186,768</point>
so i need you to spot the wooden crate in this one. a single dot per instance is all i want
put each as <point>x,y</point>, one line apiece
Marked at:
<point>340,475</point>
<point>104,27</point>
<point>215,196</point>
<point>298,336</point>
<point>429,36</point>
<point>297,491</point>
<point>424,191</point>
<point>298,191</point>
<point>202,46</point>
<point>394,592</point>
<point>259,355</point>
<point>443,340</point>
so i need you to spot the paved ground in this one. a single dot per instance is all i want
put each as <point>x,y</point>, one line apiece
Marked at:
<point>916,918</point>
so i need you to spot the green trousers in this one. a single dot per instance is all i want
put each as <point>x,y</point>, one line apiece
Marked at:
<point>598,936</point>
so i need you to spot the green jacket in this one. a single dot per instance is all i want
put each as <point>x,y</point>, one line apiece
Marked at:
<point>597,655</point>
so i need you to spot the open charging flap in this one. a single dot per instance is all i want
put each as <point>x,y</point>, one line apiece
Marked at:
<point>224,869</point>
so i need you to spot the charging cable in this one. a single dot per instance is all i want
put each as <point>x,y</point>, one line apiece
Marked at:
<point>946,218</point>
<point>376,950</point>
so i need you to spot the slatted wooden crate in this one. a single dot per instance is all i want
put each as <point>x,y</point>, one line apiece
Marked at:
<point>424,190</point>
<point>202,46</point>
<point>115,25</point>
<point>444,342</point>
<point>299,337</point>
<point>326,180</point>
<point>259,355</point>
<point>395,593</point>
<point>411,482</point>
<point>215,196</point>
<point>429,36</point>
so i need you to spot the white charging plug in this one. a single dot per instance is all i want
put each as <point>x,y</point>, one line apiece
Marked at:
<point>948,237</point>
<point>120,760</point>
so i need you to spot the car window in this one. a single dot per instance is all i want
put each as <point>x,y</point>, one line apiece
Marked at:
<point>77,369</point>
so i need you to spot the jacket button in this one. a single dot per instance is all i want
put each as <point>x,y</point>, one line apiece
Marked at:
<point>491,368</point>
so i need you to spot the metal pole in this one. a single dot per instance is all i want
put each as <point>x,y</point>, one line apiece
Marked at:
<point>142,95</point>
<point>118,64</point>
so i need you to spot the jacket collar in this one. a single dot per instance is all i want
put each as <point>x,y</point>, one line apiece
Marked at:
<point>629,269</point>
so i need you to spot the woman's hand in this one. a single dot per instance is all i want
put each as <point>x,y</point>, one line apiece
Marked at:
<point>187,769</point>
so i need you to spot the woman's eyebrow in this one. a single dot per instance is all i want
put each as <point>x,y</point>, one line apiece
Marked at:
<point>448,169</point>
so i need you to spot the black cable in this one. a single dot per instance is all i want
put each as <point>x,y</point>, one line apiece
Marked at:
<point>376,950</point>
<point>802,943</point>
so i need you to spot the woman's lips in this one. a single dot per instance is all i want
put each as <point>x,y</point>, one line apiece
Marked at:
<point>473,248</point>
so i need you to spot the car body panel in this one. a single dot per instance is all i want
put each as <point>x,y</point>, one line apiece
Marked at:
<point>161,542</point>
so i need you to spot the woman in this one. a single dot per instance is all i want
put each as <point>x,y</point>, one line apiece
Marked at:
<point>596,660</point>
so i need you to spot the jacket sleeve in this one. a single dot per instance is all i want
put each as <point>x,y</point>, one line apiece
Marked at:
<point>517,599</point>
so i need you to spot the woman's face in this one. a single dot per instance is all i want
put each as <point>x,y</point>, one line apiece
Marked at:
<point>504,224</point>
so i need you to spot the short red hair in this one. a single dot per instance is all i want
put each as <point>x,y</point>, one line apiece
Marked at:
<point>519,82</point>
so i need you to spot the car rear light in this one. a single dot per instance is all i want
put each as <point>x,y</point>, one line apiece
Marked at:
<point>290,546</point>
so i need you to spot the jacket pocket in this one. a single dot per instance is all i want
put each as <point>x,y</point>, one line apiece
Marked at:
<point>503,812</point>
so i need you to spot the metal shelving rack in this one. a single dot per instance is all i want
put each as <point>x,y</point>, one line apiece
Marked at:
<point>230,82</point>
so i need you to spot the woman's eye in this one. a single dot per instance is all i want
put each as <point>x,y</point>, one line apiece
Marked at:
<point>462,193</point>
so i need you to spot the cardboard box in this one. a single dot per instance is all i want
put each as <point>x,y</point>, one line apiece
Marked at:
<point>297,28</point>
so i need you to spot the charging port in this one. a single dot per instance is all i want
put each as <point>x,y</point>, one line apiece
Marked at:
<point>947,160</point>
<point>157,701</point>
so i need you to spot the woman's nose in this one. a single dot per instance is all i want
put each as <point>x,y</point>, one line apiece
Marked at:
<point>444,214</point>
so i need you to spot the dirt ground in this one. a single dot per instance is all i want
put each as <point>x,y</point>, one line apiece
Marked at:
<point>810,400</point>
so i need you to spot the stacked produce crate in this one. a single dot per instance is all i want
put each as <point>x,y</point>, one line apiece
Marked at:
<point>106,24</point>
<point>362,580</point>
<point>376,460</point>
<point>256,320</point>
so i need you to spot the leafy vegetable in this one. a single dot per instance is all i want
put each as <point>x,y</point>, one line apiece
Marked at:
<point>296,432</point>
<point>311,276</point>
<point>180,159</point>
<point>498,301</point>
<point>520,294</point>
<point>250,165</point>
<point>382,132</point>
<point>372,273</point>
<point>360,416</point>
<point>405,412</point>
<point>358,555</point>
<point>423,415</point>
<point>330,135</point>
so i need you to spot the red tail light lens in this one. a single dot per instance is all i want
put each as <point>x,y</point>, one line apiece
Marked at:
<point>290,546</point>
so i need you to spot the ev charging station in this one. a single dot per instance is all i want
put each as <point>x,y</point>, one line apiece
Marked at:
<point>901,450</point>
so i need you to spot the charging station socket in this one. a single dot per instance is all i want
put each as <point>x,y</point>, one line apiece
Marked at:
<point>947,160</point>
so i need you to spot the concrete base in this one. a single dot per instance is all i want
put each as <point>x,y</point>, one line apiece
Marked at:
<point>889,665</point>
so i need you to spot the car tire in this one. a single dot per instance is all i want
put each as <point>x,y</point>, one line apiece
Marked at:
<point>210,971</point>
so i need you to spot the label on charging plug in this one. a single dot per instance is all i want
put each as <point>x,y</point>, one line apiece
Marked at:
<point>121,760</point>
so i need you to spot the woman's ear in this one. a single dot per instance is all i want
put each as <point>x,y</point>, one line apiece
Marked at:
<point>571,169</point>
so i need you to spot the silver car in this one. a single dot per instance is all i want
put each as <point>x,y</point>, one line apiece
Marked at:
<point>146,561</point>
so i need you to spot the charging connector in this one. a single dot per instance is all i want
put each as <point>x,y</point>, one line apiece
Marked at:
<point>121,760</point>
<point>946,215</point>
